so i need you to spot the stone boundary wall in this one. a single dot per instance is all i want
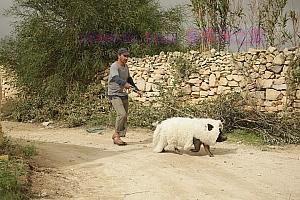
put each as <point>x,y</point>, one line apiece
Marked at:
<point>8,91</point>
<point>262,74</point>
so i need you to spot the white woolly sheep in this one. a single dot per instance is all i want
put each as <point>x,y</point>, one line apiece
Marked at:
<point>184,132</point>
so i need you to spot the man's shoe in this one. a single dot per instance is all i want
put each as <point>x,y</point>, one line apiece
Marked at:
<point>117,140</point>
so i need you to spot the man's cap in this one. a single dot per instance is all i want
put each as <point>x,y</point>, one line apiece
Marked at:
<point>123,51</point>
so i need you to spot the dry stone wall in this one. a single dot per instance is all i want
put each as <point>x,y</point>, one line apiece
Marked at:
<point>8,91</point>
<point>261,74</point>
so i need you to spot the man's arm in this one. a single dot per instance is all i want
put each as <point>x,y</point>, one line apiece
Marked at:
<point>130,81</point>
<point>118,80</point>
<point>135,88</point>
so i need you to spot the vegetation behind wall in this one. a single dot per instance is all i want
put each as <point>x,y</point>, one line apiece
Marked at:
<point>59,45</point>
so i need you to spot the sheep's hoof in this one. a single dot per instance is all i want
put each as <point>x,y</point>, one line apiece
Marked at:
<point>194,150</point>
<point>177,151</point>
<point>211,155</point>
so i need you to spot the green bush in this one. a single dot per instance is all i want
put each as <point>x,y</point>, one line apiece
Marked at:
<point>59,44</point>
<point>29,151</point>
<point>183,68</point>
<point>14,173</point>
<point>11,180</point>
<point>90,108</point>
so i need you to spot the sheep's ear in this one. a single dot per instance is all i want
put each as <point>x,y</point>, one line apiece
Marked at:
<point>220,125</point>
<point>210,127</point>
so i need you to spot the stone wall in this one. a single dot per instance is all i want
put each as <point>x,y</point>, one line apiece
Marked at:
<point>8,91</point>
<point>262,74</point>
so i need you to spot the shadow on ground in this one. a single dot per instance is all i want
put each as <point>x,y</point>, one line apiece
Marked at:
<point>53,155</point>
<point>215,152</point>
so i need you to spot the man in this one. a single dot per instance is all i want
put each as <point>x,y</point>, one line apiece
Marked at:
<point>119,81</point>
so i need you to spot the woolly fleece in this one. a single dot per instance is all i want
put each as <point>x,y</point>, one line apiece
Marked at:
<point>179,132</point>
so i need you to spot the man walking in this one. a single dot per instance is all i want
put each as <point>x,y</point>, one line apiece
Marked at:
<point>119,81</point>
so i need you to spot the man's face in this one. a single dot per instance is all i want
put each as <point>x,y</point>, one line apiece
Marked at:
<point>123,58</point>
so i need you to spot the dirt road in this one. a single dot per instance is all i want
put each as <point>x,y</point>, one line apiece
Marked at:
<point>75,164</point>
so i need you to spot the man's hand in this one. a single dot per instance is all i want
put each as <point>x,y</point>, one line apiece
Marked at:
<point>127,86</point>
<point>139,93</point>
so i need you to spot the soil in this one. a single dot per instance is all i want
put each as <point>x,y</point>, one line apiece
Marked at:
<point>74,164</point>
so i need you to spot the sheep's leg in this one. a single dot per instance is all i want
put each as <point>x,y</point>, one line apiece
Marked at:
<point>177,151</point>
<point>159,148</point>
<point>188,145</point>
<point>207,149</point>
<point>161,144</point>
<point>197,143</point>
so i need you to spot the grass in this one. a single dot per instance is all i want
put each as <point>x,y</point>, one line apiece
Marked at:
<point>29,150</point>
<point>245,137</point>
<point>13,181</point>
<point>15,172</point>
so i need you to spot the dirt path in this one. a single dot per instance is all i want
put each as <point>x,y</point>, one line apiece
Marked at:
<point>75,164</point>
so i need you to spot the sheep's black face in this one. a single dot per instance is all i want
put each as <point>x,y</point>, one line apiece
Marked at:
<point>221,137</point>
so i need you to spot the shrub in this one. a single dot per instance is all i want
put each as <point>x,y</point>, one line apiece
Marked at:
<point>59,44</point>
<point>15,172</point>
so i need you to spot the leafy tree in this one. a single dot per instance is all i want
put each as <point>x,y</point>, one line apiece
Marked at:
<point>1,132</point>
<point>212,19</point>
<point>271,15</point>
<point>59,44</point>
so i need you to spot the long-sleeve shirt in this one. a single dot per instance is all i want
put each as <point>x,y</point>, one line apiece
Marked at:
<point>118,77</point>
